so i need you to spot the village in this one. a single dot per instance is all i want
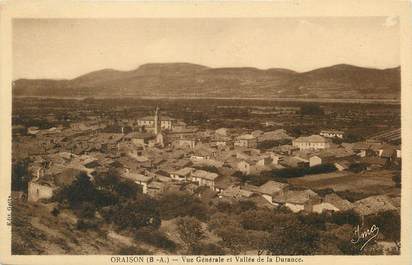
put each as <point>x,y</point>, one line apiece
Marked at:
<point>163,154</point>
<point>308,174</point>
<point>238,136</point>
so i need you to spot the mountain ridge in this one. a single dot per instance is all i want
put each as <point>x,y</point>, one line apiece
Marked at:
<point>187,80</point>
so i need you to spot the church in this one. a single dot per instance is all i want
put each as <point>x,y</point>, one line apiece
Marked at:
<point>154,127</point>
<point>150,122</point>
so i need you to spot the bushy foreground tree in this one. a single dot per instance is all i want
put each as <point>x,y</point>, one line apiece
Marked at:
<point>190,231</point>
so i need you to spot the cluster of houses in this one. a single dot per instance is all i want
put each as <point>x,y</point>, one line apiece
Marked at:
<point>164,154</point>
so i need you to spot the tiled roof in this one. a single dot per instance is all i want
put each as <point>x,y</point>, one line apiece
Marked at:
<point>311,139</point>
<point>246,137</point>
<point>223,182</point>
<point>137,177</point>
<point>374,204</point>
<point>360,146</point>
<point>156,185</point>
<point>184,171</point>
<point>236,192</point>
<point>274,135</point>
<point>373,160</point>
<point>338,202</point>
<point>271,187</point>
<point>205,175</point>
<point>251,188</point>
<point>332,131</point>
<point>67,176</point>
<point>140,135</point>
<point>319,208</point>
<point>294,196</point>
<point>151,118</point>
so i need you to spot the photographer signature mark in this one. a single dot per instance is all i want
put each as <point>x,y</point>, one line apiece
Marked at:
<point>367,235</point>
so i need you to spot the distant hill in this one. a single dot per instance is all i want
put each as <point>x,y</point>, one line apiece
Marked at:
<point>192,80</point>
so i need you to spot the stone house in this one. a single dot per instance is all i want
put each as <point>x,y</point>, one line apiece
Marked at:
<point>313,142</point>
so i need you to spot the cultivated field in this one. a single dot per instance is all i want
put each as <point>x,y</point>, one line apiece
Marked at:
<point>368,182</point>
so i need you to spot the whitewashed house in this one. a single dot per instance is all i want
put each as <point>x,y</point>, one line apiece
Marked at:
<point>204,178</point>
<point>182,174</point>
<point>139,179</point>
<point>332,134</point>
<point>313,142</point>
<point>246,140</point>
<point>271,187</point>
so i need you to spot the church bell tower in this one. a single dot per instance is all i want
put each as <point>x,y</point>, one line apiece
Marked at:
<point>157,124</point>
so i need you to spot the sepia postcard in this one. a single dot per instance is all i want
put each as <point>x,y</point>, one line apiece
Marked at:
<point>205,132</point>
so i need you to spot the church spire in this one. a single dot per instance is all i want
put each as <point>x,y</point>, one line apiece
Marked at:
<point>157,124</point>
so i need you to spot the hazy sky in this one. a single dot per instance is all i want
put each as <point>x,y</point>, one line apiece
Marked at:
<point>66,48</point>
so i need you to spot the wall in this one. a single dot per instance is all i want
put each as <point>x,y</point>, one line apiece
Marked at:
<point>177,177</point>
<point>332,135</point>
<point>209,183</point>
<point>167,125</point>
<point>137,141</point>
<point>37,192</point>
<point>243,167</point>
<point>309,145</point>
<point>314,161</point>
<point>144,186</point>
<point>295,207</point>
<point>267,197</point>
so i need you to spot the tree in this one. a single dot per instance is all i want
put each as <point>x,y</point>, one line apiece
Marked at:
<point>55,211</point>
<point>245,205</point>
<point>233,238</point>
<point>346,217</point>
<point>154,237</point>
<point>259,179</point>
<point>127,188</point>
<point>337,140</point>
<point>311,109</point>
<point>397,179</point>
<point>207,168</point>
<point>257,220</point>
<point>108,180</point>
<point>351,196</point>
<point>134,214</point>
<point>87,210</point>
<point>256,239</point>
<point>294,239</point>
<point>296,131</point>
<point>318,169</point>
<point>358,167</point>
<point>179,204</point>
<point>352,137</point>
<point>389,224</point>
<point>86,224</point>
<point>268,144</point>
<point>105,198</point>
<point>324,192</point>
<point>79,191</point>
<point>348,248</point>
<point>20,175</point>
<point>223,206</point>
<point>315,220</point>
<point>221,220</point>
<point>112,188</point>
<point>190,231</point>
